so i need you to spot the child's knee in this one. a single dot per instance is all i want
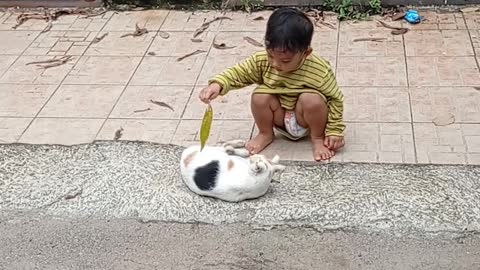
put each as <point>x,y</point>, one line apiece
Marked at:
<point>264,100</point>
<point>311,102</point>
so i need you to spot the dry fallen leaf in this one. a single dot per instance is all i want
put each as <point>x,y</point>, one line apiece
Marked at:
<point>200,30</point>
<point>399,31</point>
<point>395,30</point>
<point>375,39</point>
<point>329,25</point>
<point>100,38</point>
<point>259,18</point>
<point>444,119</point>
<point>205,25</point>
<point>190,54</point>
<point>43,61</point>
<point>163,34</point>
<point>222,46</point>
<point>476,88</point>
<point>398,16</point>
<point>48,16</point>
<point>162,104</point>
<point>151,53</point>
<point>74,195</point>
<point>138,32</point>
<point>206,125</point>
<point>196,40</point>
<point>52,62</point>
<point>253,41</point>
<point>144,110</point>
<point>118,134</point>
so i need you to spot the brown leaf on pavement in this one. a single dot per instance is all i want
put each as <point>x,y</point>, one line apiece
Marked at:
<point>253,41</point>
<point>190,54</point>
<point>162,104</point>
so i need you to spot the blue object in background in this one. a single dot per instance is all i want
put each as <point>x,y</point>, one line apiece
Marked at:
<point>412,16</point>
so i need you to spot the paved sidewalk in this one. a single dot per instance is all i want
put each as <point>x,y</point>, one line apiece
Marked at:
<point>394,89</point>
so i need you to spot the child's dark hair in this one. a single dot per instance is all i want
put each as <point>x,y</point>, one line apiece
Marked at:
<point>289,29</point>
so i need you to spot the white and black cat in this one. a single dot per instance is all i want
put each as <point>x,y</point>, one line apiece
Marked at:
<point>227,172</point>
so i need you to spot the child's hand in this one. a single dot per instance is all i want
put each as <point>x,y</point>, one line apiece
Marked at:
<point>210,93</point>
<point>334,142</point>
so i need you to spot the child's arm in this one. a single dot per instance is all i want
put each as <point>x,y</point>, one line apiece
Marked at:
<point>330,89</point>
<point>238,76</point>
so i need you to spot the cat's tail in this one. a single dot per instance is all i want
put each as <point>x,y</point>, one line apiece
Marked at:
<point>275,159</point>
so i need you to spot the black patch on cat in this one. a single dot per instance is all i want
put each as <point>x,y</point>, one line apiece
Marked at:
<point>206,176</point>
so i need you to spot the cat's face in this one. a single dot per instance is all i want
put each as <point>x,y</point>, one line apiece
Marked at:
<point>260,164</point>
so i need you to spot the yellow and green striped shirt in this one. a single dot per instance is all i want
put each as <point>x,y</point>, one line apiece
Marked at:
<point>314,76</point>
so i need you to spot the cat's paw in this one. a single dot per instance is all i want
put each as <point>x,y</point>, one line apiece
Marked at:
<point>235,143</point>
<point>229,149</point>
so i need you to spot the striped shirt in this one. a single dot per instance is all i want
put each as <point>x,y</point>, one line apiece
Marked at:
<point>314,76</point>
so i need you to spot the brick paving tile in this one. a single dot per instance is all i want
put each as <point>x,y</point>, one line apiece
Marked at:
<point>136,102</point>
<point>61,131</point>
<point>234,105</point>
<point>22,73</point>
<point>438,71</point>
<point>86,101</point>
<point>430,102</point>
<point>187,132</point>
<point>103,70</point>
<point>148,130</point>
<point>457,143</point>
<point>438,43</point>
<point>12,128</point>
<point>393,88</point>
<point>15,42</point>
<point>23,100</point>
<point>155,70</point>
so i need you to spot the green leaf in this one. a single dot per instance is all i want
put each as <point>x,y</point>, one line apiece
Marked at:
<point>206,125</point>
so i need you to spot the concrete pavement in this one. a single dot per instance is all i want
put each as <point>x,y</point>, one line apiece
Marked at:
<point>34,240</point>
<point>122,205</point>
<point>66,202</point>
<point>119,180</point>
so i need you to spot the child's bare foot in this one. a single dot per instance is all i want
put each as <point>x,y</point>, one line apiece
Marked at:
<point>257,144</point>
<point>320,151</point>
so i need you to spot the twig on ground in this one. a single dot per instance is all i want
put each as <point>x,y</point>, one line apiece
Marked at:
<point>375,39</point>
<point>205,25</point>
<point>100,38</point>
<point>395,30</point>
<point>190,54</point>
<point>144,110</point>
<point>51,62</point>
<point>253,42</point>
<point>162,104</point>
<point>138,32</point>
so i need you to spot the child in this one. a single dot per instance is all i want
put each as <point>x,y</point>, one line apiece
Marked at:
<point>297,92</point>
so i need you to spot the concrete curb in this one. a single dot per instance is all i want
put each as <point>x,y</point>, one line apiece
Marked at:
<point>141,180</point>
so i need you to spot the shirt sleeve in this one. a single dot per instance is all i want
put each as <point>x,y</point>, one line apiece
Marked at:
<point>335,99</point>
<point>240,75</point>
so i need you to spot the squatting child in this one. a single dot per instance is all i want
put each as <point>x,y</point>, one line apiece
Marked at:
<point>297,92</point>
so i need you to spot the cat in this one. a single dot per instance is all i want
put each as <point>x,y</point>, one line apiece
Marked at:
<point>227,172</point>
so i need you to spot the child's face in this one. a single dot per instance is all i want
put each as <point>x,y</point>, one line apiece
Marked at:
<point>285,61</point>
